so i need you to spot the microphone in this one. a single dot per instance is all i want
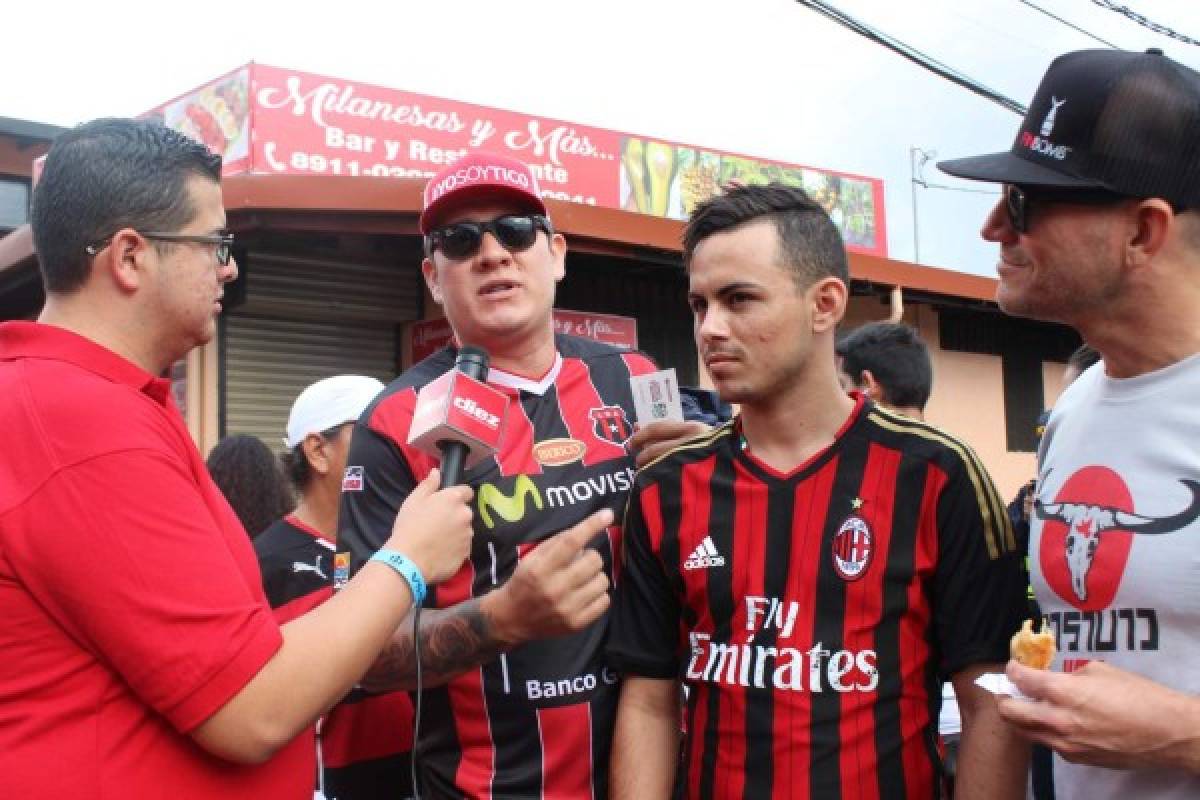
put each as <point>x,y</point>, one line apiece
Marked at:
<point>472,362</point>
<point>459,417</point>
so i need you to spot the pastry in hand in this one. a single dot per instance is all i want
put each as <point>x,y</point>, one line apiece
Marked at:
<point>1032,649</point>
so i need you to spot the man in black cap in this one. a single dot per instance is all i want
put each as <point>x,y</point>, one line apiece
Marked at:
<point>1098,230</point>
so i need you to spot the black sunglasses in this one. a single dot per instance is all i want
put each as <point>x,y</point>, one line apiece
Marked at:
<point>514,232</point>
<point>1017,200</point>
<point>223,241</point>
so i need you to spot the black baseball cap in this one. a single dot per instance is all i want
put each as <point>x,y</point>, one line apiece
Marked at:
<point>1105,119</point>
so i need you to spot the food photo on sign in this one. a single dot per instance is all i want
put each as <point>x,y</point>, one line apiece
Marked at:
<point>217,115</point>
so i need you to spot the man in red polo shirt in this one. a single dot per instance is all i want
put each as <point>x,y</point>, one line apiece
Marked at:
<point>140,657</point>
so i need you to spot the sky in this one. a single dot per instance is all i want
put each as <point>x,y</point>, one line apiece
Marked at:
<point>766,78</point>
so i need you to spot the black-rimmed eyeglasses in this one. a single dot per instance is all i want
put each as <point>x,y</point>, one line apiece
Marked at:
<point>514,232</point>
<point>222,241</point>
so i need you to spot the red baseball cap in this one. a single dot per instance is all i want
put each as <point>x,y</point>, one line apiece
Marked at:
<point>479,177</point>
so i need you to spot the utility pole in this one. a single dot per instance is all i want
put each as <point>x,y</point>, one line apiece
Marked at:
<point>917,159</point>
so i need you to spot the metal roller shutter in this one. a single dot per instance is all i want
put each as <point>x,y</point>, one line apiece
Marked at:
<point>268,361</point>
<point>337,290</point>
<point>306,317</point>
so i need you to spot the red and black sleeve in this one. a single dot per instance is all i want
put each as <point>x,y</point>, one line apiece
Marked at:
<point>644,631</point>
<point>979,583</point>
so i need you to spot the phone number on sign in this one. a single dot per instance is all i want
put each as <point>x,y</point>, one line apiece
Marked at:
<point>336,165</point>
<point>300,161</point>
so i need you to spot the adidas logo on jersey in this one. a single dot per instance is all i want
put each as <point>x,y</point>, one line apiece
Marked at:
<point>704,556</point>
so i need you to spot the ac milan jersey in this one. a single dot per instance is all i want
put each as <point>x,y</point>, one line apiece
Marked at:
<point>814,615</point>
<point>365,741</point>
<point>537,721</point>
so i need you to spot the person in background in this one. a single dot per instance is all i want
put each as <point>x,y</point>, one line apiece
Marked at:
<point>249,475</point>
<point>364,742</point>
<point>889,363</point>
<point>704,406</point>
<point>1020,510</point>
<point>295,554</point>
<point>1098,228</point>
<point>812,570</point>
<point>140,656</point>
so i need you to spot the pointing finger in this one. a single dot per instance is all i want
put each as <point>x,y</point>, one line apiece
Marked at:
<point>565,546</point>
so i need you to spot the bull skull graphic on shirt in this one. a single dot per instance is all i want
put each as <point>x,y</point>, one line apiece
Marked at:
<point>1087,524</point>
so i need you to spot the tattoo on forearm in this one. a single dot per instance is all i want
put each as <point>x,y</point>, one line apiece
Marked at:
<point>452,641</point>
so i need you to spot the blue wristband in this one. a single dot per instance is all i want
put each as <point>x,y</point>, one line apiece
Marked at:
<point>407,570</point>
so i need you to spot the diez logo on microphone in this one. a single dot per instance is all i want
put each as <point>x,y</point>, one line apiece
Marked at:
<point>457,408</point>
<point>470,407</point>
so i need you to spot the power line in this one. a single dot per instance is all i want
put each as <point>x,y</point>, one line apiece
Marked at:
<point>1069,24</point>
<point>912,54</point>
<point>1129,13</point>
<point>928,185</point>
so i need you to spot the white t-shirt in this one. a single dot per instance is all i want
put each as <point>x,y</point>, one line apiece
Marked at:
<point>1115,546</point>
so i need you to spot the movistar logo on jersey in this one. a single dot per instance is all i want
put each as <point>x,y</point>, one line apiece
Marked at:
<point>515,504</point>
<point>510,507</point>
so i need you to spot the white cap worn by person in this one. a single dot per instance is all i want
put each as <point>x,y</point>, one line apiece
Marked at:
<point>329,403</point>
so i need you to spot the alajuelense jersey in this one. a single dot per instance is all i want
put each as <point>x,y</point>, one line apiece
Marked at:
<point>537,721</point>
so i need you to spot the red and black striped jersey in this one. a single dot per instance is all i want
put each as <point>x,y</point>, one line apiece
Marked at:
<point>296,564</point>
<point>365,741</point>
<point>814,614</point>
<point>537,721</point>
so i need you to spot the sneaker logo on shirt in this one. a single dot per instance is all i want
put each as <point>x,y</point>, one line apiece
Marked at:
<point>704,556</point>
<point>300,566</point>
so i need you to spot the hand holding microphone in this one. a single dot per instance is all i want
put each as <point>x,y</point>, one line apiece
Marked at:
<point>458,417</point>
<point>461,419</point>
<point>560,587</point>
<point>433,528</point>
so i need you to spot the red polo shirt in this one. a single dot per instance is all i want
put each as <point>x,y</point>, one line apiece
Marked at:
<point>130,602</point>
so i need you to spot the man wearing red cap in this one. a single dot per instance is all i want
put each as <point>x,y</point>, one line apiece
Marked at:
<point>519,702</point>
<point>1098,229</point>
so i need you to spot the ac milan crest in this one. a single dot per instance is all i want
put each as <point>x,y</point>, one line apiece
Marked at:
<point>611,424</point>
<point>852,549</point>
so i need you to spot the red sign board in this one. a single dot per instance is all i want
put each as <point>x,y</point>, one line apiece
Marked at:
<point>621,332</point>
<point>270,120</point>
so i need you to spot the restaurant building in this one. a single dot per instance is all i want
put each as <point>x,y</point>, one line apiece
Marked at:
<point>322,187</point>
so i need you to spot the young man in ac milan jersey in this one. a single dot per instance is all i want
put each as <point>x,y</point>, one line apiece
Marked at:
<point>815,568</point>
<point>365,741</point>
<point>518,700</point>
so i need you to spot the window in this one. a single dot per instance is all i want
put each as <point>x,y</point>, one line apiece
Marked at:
<point>14,202</point>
